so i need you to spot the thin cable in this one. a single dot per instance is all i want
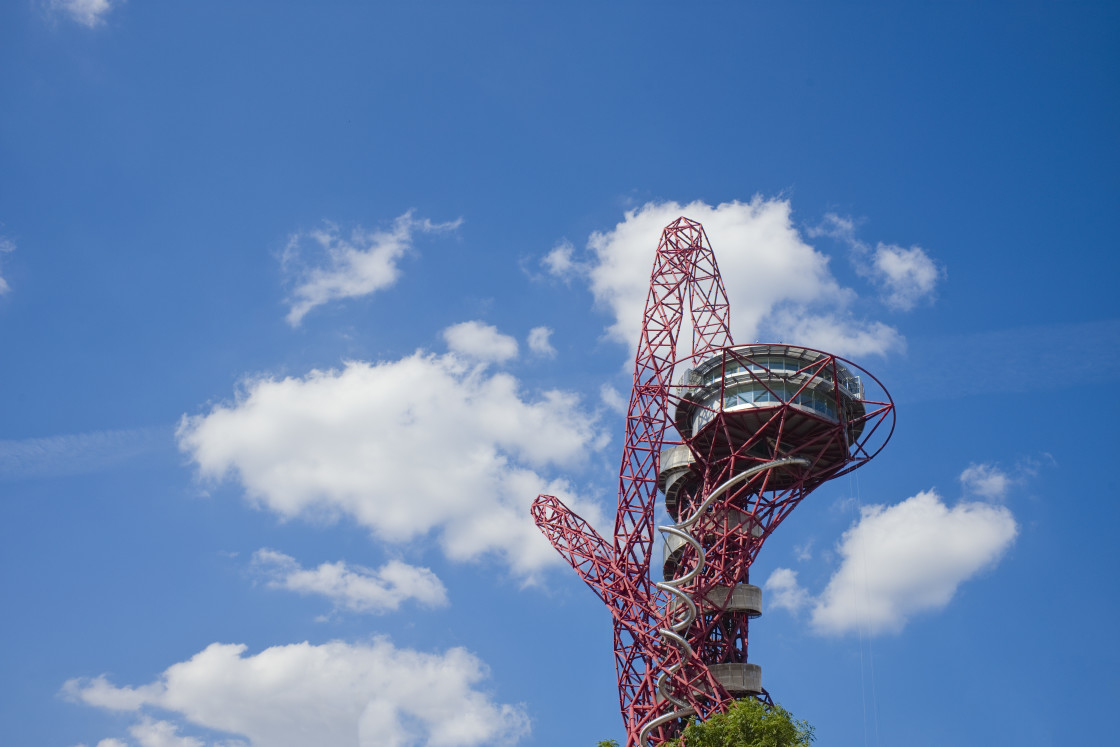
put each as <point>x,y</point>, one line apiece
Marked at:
<point>870,637</point>
<point>862,619</point>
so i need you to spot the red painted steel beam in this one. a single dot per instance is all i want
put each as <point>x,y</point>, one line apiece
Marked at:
<point>618,571</point>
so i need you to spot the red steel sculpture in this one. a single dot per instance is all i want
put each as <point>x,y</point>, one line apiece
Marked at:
<point>760,426</point>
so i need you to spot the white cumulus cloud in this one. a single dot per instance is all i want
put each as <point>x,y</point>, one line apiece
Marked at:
<point>483,342</point>
<point>90,13</point>
<point>897,562</point>
<point>985,480</point>
<point>355,588</point>
<point>338,694</point>
<point>901,560</point>
<point>425,444</point>
<point>779,287</point>
<point>539,342</point>
<point>351,265</point>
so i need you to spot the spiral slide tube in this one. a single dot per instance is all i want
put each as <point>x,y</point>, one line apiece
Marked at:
<point>674,634</point>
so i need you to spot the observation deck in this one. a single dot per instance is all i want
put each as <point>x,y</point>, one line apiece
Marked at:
<point>750,404</point>
<point>774,400</point>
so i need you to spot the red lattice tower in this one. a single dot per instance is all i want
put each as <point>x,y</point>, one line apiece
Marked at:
<point>759,427</point>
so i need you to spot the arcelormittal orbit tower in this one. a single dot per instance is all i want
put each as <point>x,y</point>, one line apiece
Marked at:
<point>760,426</point>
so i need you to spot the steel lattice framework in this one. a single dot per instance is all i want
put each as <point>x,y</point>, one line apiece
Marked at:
<point>760,426</point>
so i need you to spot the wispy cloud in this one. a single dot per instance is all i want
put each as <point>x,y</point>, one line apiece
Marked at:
<point>110,742</point>
<point>539,342</point>
<point>613,399</point>
<point>784,592</point>
<point>6,245</point>
<point>89,13</point>
<point>353,587</point>
<point>348,265</point>
<point>992,482</point>
<point>906,277</point>
<point>1013,360</point>
<point>559,262</point>
<point>985,480</point>
<point>79,453</point>
<point>479,341</point>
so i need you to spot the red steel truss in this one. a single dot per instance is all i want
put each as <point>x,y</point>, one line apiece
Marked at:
<point>737,472</point>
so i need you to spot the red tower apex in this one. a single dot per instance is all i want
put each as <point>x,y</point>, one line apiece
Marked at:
<point>760,426</point>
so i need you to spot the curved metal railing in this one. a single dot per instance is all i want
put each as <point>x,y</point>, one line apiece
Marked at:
<point>674,633</point>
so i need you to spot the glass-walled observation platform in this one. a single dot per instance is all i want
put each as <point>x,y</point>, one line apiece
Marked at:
<point>760,376</point>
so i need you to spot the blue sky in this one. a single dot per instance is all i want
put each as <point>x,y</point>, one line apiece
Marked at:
<point>303,304</point>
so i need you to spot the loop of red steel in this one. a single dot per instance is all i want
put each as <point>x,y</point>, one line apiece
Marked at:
<point>618,572</point>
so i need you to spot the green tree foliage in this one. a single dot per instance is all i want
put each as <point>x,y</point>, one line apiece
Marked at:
<point>748,723</point>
